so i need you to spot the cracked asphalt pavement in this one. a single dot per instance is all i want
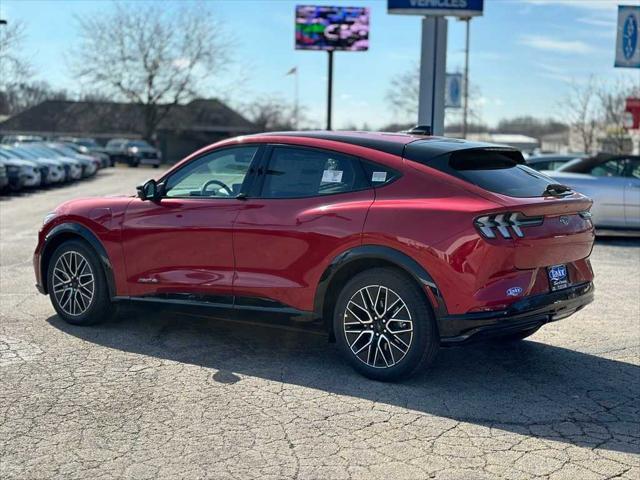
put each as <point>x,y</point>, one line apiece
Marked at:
<point>155,394</point>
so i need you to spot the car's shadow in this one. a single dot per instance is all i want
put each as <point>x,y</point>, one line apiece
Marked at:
<point>531,388</point>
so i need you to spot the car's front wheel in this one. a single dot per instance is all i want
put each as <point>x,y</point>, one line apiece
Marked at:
<point>77,285</point>
<point>384,326</point>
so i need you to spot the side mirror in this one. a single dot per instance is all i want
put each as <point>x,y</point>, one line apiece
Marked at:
<point>149,190</point>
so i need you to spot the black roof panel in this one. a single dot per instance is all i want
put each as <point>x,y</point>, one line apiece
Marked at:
<point>400,144</point>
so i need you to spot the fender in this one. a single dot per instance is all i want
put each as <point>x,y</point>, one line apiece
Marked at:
<point>87,235</point>
<point>379,252</point>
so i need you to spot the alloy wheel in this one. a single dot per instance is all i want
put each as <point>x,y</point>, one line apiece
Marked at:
<point>378,326</point>
<point>73,283</point>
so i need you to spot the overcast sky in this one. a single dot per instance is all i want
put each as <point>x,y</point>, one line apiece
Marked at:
<point>523,53</point>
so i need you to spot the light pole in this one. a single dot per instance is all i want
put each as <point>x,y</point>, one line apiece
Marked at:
<point>465,111</point>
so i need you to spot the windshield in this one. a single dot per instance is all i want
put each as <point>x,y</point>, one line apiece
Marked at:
<point>570,164</point>
<point>62,149</point>
<point>43,151</point>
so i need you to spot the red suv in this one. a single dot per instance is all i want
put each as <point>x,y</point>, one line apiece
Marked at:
<point>395,243</point>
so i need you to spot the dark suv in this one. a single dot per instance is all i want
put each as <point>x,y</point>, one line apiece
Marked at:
<point>133,152</point>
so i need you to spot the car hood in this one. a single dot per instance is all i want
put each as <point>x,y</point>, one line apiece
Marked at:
<point>18,162</point>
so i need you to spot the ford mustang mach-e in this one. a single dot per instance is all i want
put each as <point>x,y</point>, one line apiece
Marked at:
<point>396,244</point>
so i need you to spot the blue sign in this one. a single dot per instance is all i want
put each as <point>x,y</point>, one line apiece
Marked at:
<point>453,8</point>
<point>627,43</point>
<point>453,90</point>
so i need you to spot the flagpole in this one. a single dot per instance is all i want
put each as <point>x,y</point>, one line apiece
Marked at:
<point>297,104</point>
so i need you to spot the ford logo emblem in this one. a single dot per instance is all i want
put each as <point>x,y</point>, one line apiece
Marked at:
<point>514,291</point>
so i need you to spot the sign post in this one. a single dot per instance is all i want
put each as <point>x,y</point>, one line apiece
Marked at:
<point>433,58</point>
<point>628,39</point>
<point>433,66</point>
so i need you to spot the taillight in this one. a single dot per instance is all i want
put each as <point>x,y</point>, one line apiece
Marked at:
<point>505,223</point>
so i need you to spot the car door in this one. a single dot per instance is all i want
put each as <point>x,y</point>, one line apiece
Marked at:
<point>308,206</point>
<point>608,193</point>
<point>632,193</point>
<point>182,244</point>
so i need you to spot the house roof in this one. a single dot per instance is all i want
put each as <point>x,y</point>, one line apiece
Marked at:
<point>117,119</point>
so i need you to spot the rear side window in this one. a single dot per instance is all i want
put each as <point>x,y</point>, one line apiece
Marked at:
<point>499,171</point>
<point>610,168</point>
<point>295,172</point>
<point>378,175</point>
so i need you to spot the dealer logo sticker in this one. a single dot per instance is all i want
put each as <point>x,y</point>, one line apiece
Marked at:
<point>514,291</point>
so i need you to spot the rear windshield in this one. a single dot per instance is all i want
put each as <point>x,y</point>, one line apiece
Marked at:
<point>498,171</point>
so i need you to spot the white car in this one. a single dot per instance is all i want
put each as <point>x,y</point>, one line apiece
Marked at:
<point>612,182</point>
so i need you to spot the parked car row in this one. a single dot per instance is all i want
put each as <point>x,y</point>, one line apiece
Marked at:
<point>133,152</point>
<point>39,164</point>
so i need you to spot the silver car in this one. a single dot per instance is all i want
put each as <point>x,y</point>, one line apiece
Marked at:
<point>612,182</point>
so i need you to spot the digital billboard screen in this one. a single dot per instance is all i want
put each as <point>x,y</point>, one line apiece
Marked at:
<point>332,28</point>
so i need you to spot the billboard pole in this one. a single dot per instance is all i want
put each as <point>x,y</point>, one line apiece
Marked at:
<point>329,88</point>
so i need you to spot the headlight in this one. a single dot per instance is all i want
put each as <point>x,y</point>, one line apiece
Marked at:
<point>48,217</point>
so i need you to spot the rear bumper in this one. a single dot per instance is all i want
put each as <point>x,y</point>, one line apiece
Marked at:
<point>526,314</point>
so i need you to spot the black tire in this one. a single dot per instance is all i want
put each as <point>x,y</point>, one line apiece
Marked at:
<point>156,166</point>
<point>100,307</point>
<point>515,337</point>
<point>423,343</point>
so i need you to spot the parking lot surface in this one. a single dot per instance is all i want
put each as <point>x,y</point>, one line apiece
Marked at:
<point>156,394</point>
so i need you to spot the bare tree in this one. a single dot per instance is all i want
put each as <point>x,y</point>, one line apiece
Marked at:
<point>14,67</point>
<point>580,110</point>
<point>272,114</point>
<point>17,97</point>
<point>612,109</point>
<point>404,93</point>
<point>150,55</point>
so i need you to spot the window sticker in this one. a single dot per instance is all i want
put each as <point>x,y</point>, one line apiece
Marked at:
<point>332,176</point>
<point>379,177</point>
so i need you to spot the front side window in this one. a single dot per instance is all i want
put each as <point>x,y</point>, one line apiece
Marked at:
<point>300,172</point>
<point>219,174</point>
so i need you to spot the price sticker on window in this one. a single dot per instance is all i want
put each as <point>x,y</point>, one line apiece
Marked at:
<point>379,177</point>
<point>332,176</point>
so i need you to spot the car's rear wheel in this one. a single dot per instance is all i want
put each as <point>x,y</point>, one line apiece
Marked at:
<point>77,285</point>
<point>384,326</point>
